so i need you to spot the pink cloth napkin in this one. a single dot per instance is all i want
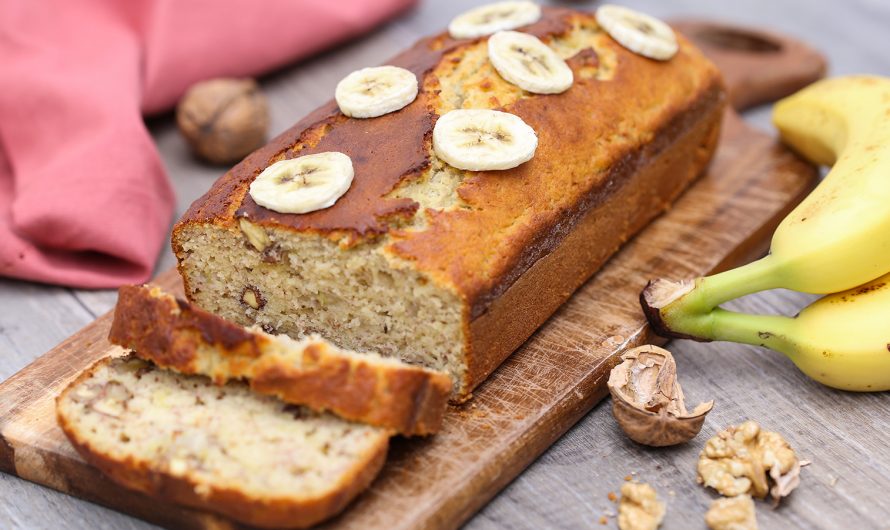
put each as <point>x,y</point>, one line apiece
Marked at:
<point>84,200</point>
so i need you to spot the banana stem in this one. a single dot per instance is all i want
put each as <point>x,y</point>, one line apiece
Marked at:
<point>721,325</point>
<point>711,291</point>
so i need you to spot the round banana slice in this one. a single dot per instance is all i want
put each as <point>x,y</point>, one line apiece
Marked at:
<point>303,184</point>
<point>482,140</point>
<point>372,92</point>
<point>492,18</point>
<point>528,63</point>
<point>638,32</point>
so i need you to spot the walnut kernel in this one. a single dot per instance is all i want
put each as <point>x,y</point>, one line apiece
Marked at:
<point>256,236</point>
<point>639,508</point>
<point>223,119</point>
<point>648,402</point>
<point>742,459</point>
<point>732,513</point>
<point>252,297</point>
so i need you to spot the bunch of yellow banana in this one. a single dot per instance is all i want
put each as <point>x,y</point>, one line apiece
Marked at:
<point>836,241</point>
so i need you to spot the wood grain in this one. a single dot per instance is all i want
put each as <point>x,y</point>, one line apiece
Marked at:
<point>527,404</point>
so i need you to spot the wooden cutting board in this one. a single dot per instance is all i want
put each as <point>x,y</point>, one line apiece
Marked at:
<point>558,375</point>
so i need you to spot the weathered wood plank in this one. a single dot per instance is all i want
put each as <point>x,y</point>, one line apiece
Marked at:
<point>33,319</point>
<point>29,506</point>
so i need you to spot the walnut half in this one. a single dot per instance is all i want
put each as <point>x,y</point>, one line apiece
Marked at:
<point>647,400</point>
<point>742,459</point>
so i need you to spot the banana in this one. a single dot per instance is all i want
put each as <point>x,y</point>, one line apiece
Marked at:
<point>839,236</point>
<point>638,32</point>
<point>528,63</point>
<point>373,92</point>
<point>841,340</point>
<point>482,140</point>
<point>303,184</point>
<point>492,18</point>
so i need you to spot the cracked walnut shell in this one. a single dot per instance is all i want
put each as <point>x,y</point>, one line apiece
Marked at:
<point>745,459</point>
<point>648,402</point>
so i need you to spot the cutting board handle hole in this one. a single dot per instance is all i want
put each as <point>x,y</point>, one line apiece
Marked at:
<point>742,41</point>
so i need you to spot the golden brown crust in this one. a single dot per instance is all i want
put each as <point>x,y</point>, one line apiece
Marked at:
<point>384,152</point>
<point>174,334</point>
<point>364,210</point>
<point>406,399</point>
<point>510,219</point>
<point>518,312</point>
<point>281,512</point>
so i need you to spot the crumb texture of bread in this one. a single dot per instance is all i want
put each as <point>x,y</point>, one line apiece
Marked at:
<point>311,371</point>
<point>183,439</point>
<point>353,297</point>
<point>414,258</point>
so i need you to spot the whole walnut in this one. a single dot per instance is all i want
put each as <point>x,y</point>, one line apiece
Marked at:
<point>223,120</point>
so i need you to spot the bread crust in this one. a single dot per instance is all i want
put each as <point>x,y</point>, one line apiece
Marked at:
<point>547,284</point>
<point>510,222</point>
<point>385,151</point>
<point>174,334</point>
<point>280,512</point>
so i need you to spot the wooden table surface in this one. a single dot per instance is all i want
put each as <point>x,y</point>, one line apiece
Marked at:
<point>843,434</point>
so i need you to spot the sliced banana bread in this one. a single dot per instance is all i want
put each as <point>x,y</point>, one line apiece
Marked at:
<point>449,268</point>
<point>362,387</point>
<point>225,449</point>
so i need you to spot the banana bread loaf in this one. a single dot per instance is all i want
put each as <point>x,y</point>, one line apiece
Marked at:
<point>183,439</point>
<point>454,269</point>
<point>361,387</point>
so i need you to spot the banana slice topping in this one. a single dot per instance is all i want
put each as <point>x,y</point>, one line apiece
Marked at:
<point>492,18</point>
<point>372,92</point>
<point>528,63</point>
<point>638,32</point>
<point>303,184</point>
<point>482,140</point>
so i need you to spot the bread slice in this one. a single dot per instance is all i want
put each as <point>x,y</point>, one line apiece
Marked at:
<point>225,449</point>
<point>312,372</point>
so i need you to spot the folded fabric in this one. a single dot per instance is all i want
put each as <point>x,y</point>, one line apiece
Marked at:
<point>84,200</point>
